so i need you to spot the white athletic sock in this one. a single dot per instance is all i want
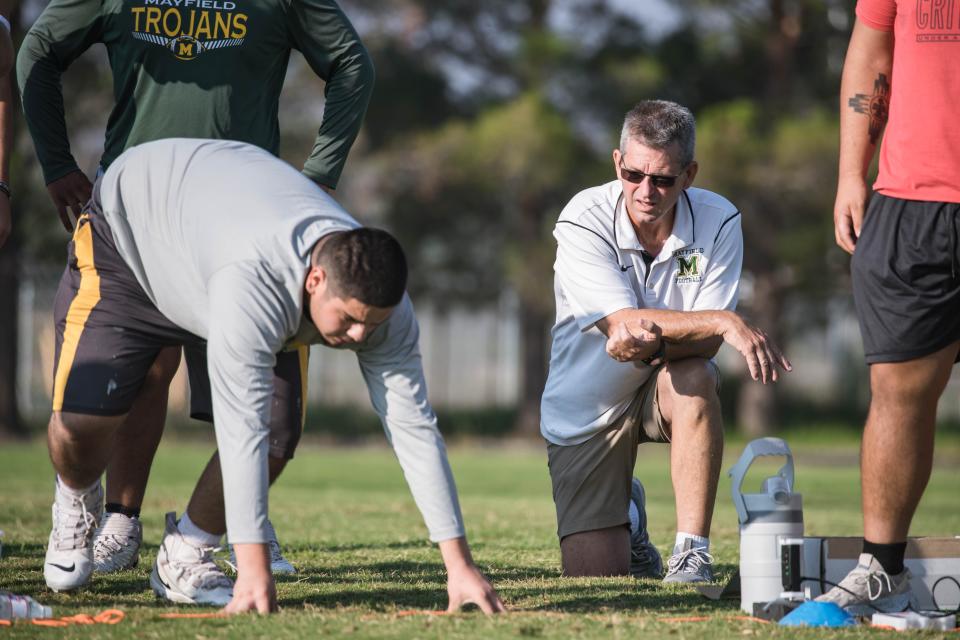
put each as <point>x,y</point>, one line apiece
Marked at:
<point>195,535</point>
<point>634,517</point>
<point>696,542</point>
<point>75,493</point>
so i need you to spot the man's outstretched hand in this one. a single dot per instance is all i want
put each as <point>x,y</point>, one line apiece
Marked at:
<point>762,355</point>
<point>468,586</point>
<point>255,589</point>
<point>465,583</point>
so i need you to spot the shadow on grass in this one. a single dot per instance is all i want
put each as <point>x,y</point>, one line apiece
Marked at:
<point>383,586</point>
<point>423,586</point>
<point>371,546</point>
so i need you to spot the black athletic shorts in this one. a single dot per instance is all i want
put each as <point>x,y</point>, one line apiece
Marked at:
<point>906,278</point>
<point>108,334</point>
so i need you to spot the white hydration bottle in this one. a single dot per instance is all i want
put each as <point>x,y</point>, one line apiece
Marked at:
<point>14,607</point>
<point>766,518</point>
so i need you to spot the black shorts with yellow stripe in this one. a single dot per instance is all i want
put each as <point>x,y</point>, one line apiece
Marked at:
<point>108,334</point>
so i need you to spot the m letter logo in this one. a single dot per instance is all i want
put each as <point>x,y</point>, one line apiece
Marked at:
<point>688,266</point>
<point>689,262</point>
<point>185,50</point>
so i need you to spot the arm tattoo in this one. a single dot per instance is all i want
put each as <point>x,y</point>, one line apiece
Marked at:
<point>876,106</point>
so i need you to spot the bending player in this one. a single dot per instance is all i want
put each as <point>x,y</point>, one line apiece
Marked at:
<point>219,246</point>
<point>193,82</point>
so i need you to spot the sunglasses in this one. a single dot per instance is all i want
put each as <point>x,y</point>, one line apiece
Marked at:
<point>636,177</point>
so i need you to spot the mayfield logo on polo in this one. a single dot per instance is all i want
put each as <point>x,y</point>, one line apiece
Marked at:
<point>689,265</point>
<point>188,28</point>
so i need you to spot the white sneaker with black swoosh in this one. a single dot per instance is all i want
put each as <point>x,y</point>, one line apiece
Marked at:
<point>69,560</point>
<point>187,574</point>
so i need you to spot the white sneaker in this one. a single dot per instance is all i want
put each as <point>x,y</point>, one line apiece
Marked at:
<point>116,543</point>
<point>187,574</point>
<point>869,589</point>
<point>69,560</point>
<point>278,564</point>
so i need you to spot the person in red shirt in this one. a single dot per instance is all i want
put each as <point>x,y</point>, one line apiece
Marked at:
<point>900,81</point>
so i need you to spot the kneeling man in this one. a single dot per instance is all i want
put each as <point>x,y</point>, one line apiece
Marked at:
<point>222,248</point>
<point>647,276</point>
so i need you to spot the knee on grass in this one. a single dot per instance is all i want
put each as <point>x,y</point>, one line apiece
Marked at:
<point>601,552</point>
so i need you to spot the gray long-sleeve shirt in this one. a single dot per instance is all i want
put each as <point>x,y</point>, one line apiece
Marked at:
<point>219,235</point>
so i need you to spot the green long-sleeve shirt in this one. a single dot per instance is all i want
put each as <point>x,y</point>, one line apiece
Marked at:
<point>196,69</point>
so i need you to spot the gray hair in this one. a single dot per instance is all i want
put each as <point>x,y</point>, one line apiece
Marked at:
<point>659,123</point>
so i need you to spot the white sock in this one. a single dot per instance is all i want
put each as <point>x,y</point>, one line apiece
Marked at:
<point>634,517</point>
<point>76,493</point>
<point>696,542</point>
<point>195,535</point>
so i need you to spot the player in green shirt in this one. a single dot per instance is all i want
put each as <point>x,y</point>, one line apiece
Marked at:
<point>190,69</point>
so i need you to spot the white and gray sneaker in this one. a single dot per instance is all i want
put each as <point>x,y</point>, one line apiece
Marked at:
<point>689,564</point>
<point>187,574</point>
<point>645,560</point>
<point>869,589</point>
<point>278,564</point>
<point>116,543</point>
<point>69,560</point>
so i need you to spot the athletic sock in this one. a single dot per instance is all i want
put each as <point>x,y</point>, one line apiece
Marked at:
<point>195,535</point>
<point>890,556</point>
<point>696,542</point>
<point>76,493</point>
<point>116,507</point>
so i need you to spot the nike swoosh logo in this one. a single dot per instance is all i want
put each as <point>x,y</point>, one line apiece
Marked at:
<point>63,567</point>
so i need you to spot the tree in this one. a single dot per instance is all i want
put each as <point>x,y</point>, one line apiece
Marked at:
<point>473,194</point>
<point>767,140</point>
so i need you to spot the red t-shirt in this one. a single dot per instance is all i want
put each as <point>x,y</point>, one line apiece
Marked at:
<point>920,154</point>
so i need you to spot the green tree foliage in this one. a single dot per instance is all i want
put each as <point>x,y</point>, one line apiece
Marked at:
<point>533,115</point>
<point>489,116</point>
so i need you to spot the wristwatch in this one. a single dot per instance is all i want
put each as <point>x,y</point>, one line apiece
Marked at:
<point>5,188</point>
<point>656,355</point>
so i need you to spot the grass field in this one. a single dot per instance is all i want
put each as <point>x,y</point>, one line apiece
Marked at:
<point>347,521</point>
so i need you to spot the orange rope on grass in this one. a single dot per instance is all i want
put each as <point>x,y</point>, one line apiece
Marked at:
<point>686,619</point>
<point>418,612</point>
<point>751,619</point>
<point>108,616</point>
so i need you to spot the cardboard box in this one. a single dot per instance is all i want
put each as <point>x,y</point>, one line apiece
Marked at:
<point>928,559</point>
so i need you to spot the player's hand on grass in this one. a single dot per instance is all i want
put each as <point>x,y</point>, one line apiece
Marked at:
<point>466,585</point>
<point>6,221</point>
<point>633,340</point>
<point>762,355</point>
<point>848,211</point>
<point>72,192</point>
<point>255,589</point>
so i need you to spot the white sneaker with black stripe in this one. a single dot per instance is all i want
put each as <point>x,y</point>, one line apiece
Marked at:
<point>69,560</point>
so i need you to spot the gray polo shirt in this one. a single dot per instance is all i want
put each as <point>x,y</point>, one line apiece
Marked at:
<point>219,235</point>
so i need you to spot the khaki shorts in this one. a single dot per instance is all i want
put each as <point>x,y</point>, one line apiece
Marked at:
<point>591,480</point>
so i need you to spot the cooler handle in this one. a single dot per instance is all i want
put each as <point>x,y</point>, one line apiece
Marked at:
<point>755,449</point>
